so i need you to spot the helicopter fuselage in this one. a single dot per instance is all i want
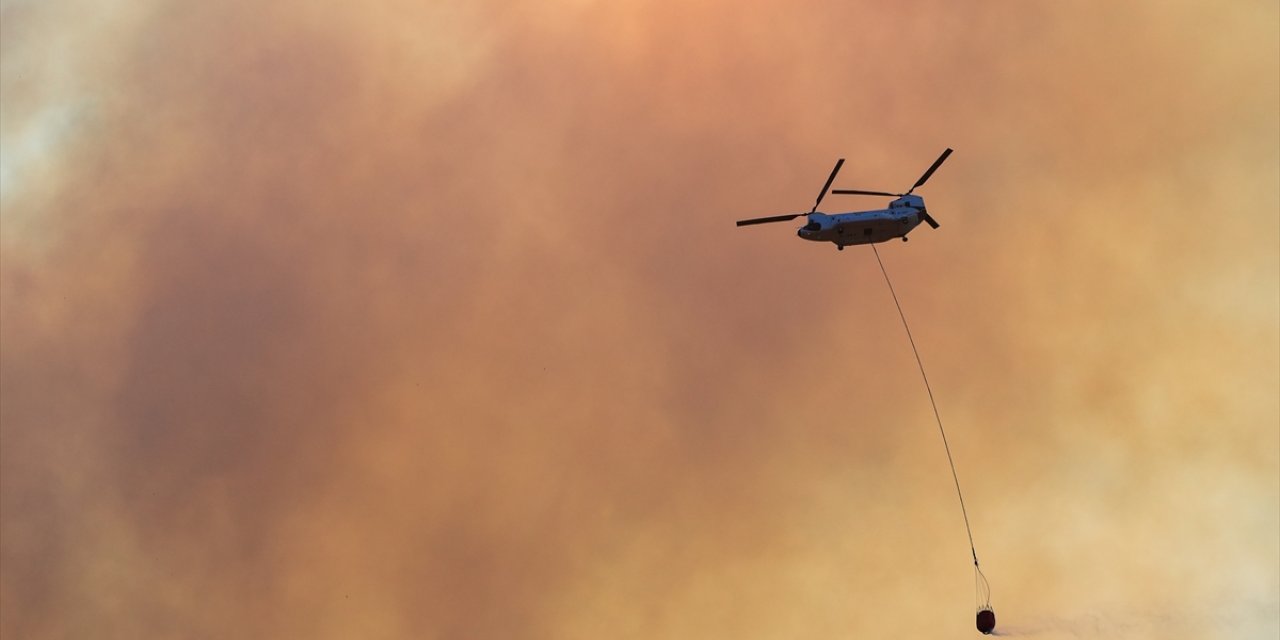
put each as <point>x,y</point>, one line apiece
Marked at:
<point>865,227</point>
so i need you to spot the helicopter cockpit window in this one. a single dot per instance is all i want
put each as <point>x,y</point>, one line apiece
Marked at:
<point>813,226</point>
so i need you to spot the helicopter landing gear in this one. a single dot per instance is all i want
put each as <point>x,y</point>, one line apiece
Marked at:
<point>840,247</point>
<point>904,238</point>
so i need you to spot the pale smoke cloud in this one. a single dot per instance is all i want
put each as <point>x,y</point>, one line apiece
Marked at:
<point>429,321</point>
<point>1232,619</point>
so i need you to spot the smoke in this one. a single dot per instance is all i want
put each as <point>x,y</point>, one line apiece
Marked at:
<point>428,321</point>
<point>1238,618</point>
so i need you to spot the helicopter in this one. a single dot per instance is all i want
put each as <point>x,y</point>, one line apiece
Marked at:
<point>904,213</point>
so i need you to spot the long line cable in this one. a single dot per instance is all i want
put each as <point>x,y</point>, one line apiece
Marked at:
<point>980,581</point>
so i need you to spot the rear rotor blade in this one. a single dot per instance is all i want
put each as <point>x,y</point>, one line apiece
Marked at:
<point>925,178</point>
<point>929,219</point>
<point>793,216</point>
<point>859,192</point>
<point>831,178</point>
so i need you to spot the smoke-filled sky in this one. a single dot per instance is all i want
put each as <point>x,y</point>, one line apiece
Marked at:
<point>429,320</point>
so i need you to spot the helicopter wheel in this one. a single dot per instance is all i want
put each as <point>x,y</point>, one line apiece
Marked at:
<point>904,238</point>
<point>840,247</point>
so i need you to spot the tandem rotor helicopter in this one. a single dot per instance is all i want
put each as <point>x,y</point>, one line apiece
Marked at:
<point>862,227</point>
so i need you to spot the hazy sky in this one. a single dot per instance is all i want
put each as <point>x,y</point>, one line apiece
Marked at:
<point>429,320</point>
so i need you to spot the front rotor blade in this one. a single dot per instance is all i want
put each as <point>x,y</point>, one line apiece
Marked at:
<point>936,163</point>
<point>859,192</point>
<point>831,178</point>
<point>743,223</point>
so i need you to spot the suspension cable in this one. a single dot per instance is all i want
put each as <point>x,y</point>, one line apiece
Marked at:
<point>983,588</point>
